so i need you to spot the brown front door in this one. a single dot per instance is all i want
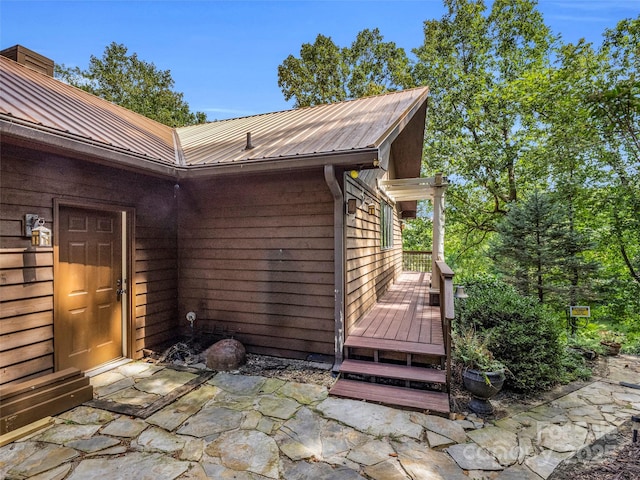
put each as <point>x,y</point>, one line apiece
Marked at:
<point>88,324</point>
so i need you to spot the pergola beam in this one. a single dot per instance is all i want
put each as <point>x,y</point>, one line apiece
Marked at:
<point>409,189</point>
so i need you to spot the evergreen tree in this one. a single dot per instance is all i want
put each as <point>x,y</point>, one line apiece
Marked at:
<point>540,251</point>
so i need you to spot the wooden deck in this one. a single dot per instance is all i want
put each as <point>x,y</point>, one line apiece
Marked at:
<point>403,315</point>
<point>400,341</point>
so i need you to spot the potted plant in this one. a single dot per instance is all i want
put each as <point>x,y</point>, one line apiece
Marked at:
<point>611,342</point>
<point>482,375</point>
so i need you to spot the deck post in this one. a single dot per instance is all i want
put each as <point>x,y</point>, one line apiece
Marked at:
<point>439,188</point>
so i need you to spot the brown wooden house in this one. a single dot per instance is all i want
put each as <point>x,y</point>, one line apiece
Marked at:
<point>281,230</point>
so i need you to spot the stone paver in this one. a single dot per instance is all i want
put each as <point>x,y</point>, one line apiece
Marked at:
<point>158,440</point>
<point>303,393</point>
<point>371,453</point>
<point>247,451</point>
<point>211,421</point>
<point>247,427</point>
<point>43,459</point>
<point>470,456</point>
<point>63,433</point>
<point>174,415</point>
<point>57,473</point>
<point>135,465</point>
<point>421,462</point>
<point>164,381</point>
<point>88,416</point>
<point>441,426</point>
<point>370,418</point>
<point>101,391</point>
<point>93,444</point>
<point>14,454</point>
<point>238,384</point>
<point>283,408</point>
<point>134,397</point>
<point>125,427</point>
<point>501,443</point>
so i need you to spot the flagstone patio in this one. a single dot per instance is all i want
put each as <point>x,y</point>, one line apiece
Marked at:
<point>251,427</point>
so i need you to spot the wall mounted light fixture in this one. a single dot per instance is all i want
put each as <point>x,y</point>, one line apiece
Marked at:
<point>34,228</point>
<point>352,205</point>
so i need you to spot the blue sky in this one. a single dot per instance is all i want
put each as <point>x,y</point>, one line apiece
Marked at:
<point>224,55</point>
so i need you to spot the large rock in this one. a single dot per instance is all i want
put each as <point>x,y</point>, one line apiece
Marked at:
<point>227,354</point>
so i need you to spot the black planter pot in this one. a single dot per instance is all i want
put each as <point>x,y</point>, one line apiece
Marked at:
<point>483,386</point>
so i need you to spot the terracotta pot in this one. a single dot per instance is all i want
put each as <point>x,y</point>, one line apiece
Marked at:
<point>611,348</point>
<point>482,386</point>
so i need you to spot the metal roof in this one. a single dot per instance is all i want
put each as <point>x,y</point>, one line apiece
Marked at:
<point>343,127</point>
<point>36,106</point>
<point>45,103</point>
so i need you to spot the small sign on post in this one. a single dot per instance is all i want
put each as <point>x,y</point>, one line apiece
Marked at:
<point>578,317</point>
<point>581,311</point>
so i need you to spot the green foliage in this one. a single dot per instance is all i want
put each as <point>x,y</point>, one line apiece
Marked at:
<point>417,234</point>
<point>132,83</point>
<point>480,123</point>
<point>326,73</point>
<point>601,329</point>
<point>520,332</point>
<point>540,252</point>
<point>318,76</point>
<point>611,96</point>
<point>375,66</point>
<point>573,367</point>
<point>526,247</point>
<point>472,351</point>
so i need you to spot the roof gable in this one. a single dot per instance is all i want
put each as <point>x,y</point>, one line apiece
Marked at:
<point>360,124</point>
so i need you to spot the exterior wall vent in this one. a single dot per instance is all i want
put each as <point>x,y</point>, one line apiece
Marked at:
<point>29,59</point>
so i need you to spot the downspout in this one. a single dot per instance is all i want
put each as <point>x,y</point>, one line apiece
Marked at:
<point>338,262</point>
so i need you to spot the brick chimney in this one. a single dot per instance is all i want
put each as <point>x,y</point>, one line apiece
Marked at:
<point>29,59</point>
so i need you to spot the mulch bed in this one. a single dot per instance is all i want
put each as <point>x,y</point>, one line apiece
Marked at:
<point>614,457</point>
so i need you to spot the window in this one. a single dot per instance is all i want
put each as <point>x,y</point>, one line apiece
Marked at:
<point>386,225</point>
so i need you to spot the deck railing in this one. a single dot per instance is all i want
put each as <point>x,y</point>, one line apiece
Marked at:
<point>416,261</point>
<point>447,313</point>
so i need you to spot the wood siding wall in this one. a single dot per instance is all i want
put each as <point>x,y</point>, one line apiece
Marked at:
<point>29,183</point>
<point>369,269</point>
<point>256,261</point>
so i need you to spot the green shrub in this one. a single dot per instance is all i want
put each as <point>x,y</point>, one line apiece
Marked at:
<point>520,332</point>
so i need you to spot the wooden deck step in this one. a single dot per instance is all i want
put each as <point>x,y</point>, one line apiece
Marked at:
<point>435,402</point>
<point>394,345</point>
<point>27,402</point>
<point>388,370</point>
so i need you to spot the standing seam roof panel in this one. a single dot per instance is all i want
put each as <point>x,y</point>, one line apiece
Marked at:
<point>314,130</point>
<point>68,109</point>
<point>230,136</point>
